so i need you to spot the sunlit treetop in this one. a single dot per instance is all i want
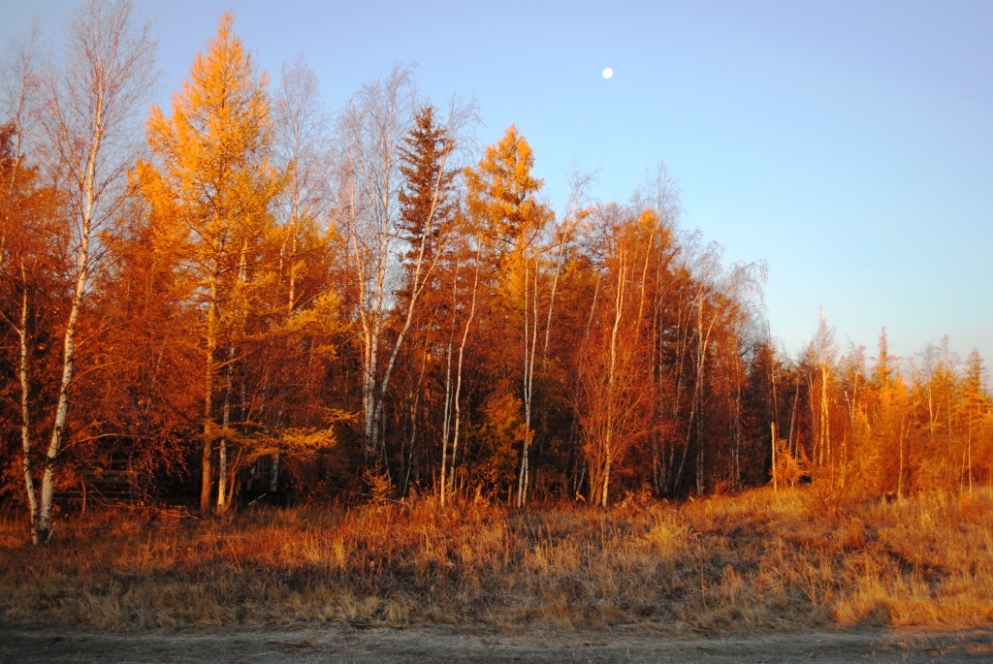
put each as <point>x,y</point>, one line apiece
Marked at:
<point>215,147</point>
<point>504,193</point>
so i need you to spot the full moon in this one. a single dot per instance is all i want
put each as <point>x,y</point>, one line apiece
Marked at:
<point>608,72</point>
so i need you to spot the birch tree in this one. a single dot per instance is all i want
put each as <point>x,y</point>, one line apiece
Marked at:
<point>371,130</point>
<point>614,381</point>
<point>88,103</point>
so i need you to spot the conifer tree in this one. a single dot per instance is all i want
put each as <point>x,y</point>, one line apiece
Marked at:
<point>209,191</point>
<point>503,196</point>
<point>426,202</point>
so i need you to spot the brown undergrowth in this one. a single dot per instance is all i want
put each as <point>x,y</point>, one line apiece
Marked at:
<point>762,560</point>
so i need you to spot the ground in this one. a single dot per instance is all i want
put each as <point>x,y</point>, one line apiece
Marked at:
<point>387,645</point>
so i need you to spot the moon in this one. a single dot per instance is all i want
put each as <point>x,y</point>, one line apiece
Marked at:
<point>608,72</point>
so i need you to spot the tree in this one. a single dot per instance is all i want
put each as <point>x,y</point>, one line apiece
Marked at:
<point>614,403</point>
<point>33,239</point>
<point>853,376</point>
<point>427,212</point>
<point>932,462</point>
<point>209,192</point>
<point>88,103</point>
<point>426,199</point>
<point>371,131</point>
<point>144,394</point>
<point>823,349</point>
<point>763,424</point>
<point>882,462</point>
<point>301,147</point>
<point>503,195</point>
<point>19,98</point>
<point>395,185</point>
<point>974,409</point>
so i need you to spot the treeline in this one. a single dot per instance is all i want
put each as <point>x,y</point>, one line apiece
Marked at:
<point>253,295</point>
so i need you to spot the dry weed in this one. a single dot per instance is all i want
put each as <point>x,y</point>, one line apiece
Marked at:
<point>761,560</point>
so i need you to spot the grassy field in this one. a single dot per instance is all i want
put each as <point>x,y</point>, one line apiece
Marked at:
<point>759,561</point>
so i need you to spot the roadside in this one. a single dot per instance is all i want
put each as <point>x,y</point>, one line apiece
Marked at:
<point>389,645</point>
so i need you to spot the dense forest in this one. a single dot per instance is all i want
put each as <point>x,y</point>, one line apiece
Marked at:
<point>248,295</point>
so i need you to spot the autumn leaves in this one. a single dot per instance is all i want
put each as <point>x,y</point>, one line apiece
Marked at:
<point>274,299</point>
<point>294,303</point>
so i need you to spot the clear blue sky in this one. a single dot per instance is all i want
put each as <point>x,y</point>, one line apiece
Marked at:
<point>847,143</point>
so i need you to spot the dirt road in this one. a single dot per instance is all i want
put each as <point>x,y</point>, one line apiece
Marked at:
<point>388,645</point>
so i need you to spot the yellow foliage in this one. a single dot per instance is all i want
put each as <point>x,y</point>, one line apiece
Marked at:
<point>215,179</point>
<point>502,193</point>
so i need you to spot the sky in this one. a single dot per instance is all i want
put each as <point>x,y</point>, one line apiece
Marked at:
<point>848,144</point>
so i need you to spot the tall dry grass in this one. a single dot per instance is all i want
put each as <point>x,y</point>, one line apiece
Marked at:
<point>761,560</point>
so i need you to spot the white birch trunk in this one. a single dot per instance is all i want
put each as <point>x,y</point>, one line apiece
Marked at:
<point>612,379</point>
<point>458,372</point>
<point>44,523</point>
<point>446,423</point>
<point>89,184</point>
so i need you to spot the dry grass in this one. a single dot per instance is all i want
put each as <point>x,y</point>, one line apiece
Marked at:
<point>758,561</point>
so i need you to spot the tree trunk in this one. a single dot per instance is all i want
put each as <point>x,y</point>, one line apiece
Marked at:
<point>22,333</point>
<point>222,443</point>
<point>530,346</point>
<point>899,475</point>
<point>458,371</point>
<point>206,472</point>
<point>446,424</point>
<point>825,446</point>
<point>44,523</point>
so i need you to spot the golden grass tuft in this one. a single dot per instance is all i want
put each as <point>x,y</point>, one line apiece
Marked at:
<point>759,561</point>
